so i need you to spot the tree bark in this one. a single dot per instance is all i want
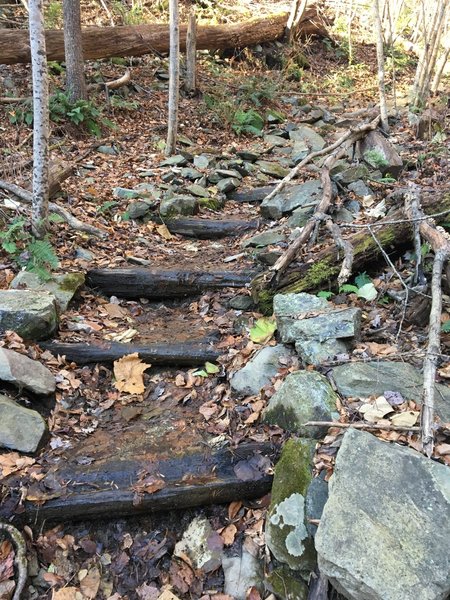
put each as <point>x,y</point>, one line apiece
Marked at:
<point>39,211</point>
<point>174,78</point>
<point>191,55</point>
<point>153,283</point>
<point>138,40</point>
<point>380,62</point>
<point>73,50</point>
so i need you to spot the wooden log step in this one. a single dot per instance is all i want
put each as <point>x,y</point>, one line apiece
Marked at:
<point>182,353</point>
<point>140,282</point>
<point>115,487</point>
<point>204,229</point>
<point>252,195</point>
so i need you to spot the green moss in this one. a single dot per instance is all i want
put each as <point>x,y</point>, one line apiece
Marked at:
<point>71,282</point>
<point>211,203</point>
<point>293,470</point>
<point>285,584</point>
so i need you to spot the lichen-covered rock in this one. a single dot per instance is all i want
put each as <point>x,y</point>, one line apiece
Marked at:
<point>376,377</point>
<point>21,429</point>
<point>62,287</point>
<point>304,396</point>
<point>259,370</point>
<point>29,313</point>
<point>291,198</point>
<point>384,531</point>
<point>26,373</point>
<point>272,168</point>
<point>379,152</point>
<point>178,205</point>
<point>286,584</point>
<point>313,352</point>
<point>286,524</point>
<point>332,324</point>
<point>266,238</point>
<point>306,134</point>
<point>295,305</point>
<point>202,545</point>
<point>241,573</point>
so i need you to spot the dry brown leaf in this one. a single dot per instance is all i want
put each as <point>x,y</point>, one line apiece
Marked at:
<point>234,508</point>
<point>168,595</point>
<point>405,419</point>
<point>164,232</point>
<point>228,534</point>
<point>67,593</point>
<point>89,585</point>
<point>208,409</point>
<point>128,372</point>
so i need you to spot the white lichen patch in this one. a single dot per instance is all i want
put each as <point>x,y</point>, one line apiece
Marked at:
<point>291,513</point>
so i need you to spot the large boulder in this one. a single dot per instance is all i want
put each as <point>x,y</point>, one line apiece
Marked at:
<point>376,377</point>
<point>259,370</point>
<point>21,429</point>
<point>25,373</point>
<point>384,531</point>
<point>29,313</point>
<point>290,198</point>
<point>380,154</point>
<point>304,396</point>
<point>63,287</point>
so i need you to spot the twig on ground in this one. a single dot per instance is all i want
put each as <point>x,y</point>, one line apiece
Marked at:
<point>346,247</point>
<point>360,426</point>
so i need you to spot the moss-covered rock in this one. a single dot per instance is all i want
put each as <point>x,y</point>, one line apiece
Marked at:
<point>29,313</point>
<point>62,287</point>
<point>286,585</point>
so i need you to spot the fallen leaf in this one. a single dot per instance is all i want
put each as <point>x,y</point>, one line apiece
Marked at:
<point>67,593</point>
<point>164,232</point>
<point>208,409</point>
<point>263,330</point>
<point>168,595</point>
<point>228,534</point>
<point>376,410</point>
<point>149,485</point>
<point>90,584</point>
<point>128,372</point>
<point>405,419</point>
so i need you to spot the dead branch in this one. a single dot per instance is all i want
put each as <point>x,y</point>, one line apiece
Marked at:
<point>10,100</point>
<point>360,426</point>
<point>349,138</point>
<point>26,197</point>
<point>441,246</point>
<point>346,247</point>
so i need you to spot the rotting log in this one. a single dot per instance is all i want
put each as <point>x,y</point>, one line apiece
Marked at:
<point>252,195</point>
<point>322,269</point>
<point>109,487</point>
<point>206,229</point>
<point>137,40</point>
<point>179,353</point>
<point>153,283</point>
<point>58,172</point>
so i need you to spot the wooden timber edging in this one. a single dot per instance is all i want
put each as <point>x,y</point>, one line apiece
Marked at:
<point>111,489</point>
<point>137,40</point>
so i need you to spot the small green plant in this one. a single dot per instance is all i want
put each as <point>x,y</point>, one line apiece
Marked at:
<point>375,158</point>
<point>247,121</point>
<point>37,256</point>
<point>53,15</point>
<point>325,294</point>
<point>445,327</point>
<point>363,287</point>
<point>106,207</point>
<point>121,104</point>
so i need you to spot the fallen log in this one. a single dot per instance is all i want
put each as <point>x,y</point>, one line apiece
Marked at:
<point>58,172</point>
<point>137,40</point>
<point>252,195</point>
<point>110,486</point>
<point>180,353</point>
<point>206,229</point>
<point>152,283</point>
<point>322,269</point>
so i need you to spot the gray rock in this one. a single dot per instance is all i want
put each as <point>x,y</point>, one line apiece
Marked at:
<point>316,498</point>
<point>266,238</point>
<point>272,169</point>
<point>178,205</point>
<point>373,147</point>
<point>267,258</point>
<point>300,216</point>
<point>343,215</point>
<point>295,305</point>
<point>147,173</point>
<point>241,573</point>
<point>359,188</point>
<point>275,140</point>
<point>313,352</point>
<point>21,429</point>
<point>306,134</point>
<point>241,302</point>
<point>352,174</point>
<point>299,151</point>
<point>148,190</point>
<point>201,544</point>
<point>384,532</point>
<point>201,161</point>
<point>290,198</point>
<point>198,190</point>
<point>229,184</point>
<point>26,373</point>
<point>62,287</point>
<point>259,370</point>
<point>128,194</point>
<point>304,396</point>
<point>191,173</point>
<point>108,150</point>
<point>315,114</point>
<point>376,377</point>
<point>178,160</point>
<point>332,324</point>
<point>29,313</point>
<point>138,209</point>
<point>249,155</point>
<point>225,173</point>
<point>286,524</point>
<point>84,254</point>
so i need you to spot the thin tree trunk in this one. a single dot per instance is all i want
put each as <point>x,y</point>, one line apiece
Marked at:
<point>40,119</point>
<point>174,78</point>
<point>380,60</point>
<point>73,48</point>
<point>191,54</point>
<point>440,69</point>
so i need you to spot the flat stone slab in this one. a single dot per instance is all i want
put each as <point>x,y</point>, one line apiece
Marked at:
<point>21,429</point>
<point>259,370</point>
<point>308,135</point>
<point>376,377</point>
<point>62,287</point>
<point>31,314</point>
<point>304,396</point>
<point>332,324</point>
<point>26,373</point>
<point>384,531</point>
<point>290,198</point>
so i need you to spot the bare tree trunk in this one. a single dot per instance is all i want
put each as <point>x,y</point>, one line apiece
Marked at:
<point>296,13</point>
<point>380,60</point>
<point>40,119</point>
<point>73,48</point>
<point>191,54</point>
<point>174,78</point>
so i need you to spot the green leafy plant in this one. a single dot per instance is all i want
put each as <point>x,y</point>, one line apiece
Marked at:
<point>121,104</point>
<point>37,256</point>
<point>247,121</point>
<point>106,207</point>
<point>375,158</point>
<point>53,15</point>
<point>325,294</point>
<point>363,287</point>
<point>445,327</point>
<point>263,330</point>
<point>210,369</point>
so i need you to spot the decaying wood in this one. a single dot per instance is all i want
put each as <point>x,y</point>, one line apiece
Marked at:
<point>154,283</point>
<point>110,486</point>
<point>58,172</point>
<point>137,40</point>
<point>115,84</point>
<point>340,425</point>
<point>441,247</point>
<point>20,557</point>
<point>317,271</point>
<point>206,229</point>
<point>26,197</point>
<point>181,353</point>
<point>252,195</point>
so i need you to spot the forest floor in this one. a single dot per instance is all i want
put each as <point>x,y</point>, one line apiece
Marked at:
<point>132,557</point>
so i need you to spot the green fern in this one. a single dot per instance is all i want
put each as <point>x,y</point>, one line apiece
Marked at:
<point>41,259</point>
